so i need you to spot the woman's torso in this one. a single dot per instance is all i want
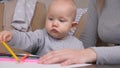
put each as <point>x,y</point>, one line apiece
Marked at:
<point>109,22</point>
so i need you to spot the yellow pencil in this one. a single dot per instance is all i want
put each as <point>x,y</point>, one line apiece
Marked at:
<point>10,50</point>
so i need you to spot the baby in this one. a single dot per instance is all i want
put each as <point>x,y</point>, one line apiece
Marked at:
<point>60,21</point>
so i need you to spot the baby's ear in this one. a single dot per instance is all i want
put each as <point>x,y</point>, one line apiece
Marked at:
<point>74,24</point>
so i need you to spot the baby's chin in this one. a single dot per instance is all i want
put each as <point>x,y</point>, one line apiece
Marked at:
<point>57,37</point>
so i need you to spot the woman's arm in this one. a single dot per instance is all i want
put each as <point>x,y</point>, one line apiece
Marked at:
<point>88,36</point>
<point>107,55</point>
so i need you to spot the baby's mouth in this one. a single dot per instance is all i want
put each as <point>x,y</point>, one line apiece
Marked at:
<point>54,31</point>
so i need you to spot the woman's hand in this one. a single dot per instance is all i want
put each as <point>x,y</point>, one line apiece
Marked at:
<point>5,36</point>
<point>69,56</point>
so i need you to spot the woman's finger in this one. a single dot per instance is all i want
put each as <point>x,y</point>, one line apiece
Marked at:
<point>53,56</point>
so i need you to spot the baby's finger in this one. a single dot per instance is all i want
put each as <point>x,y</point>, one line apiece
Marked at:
<point>1,37</point>
<point>6,37</point>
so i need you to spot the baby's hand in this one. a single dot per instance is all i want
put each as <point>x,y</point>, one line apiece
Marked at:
<point>5,36</point>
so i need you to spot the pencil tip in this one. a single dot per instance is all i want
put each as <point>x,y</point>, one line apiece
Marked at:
<point>18,61</point>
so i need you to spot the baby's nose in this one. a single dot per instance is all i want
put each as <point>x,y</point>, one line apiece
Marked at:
<point>55,23</point>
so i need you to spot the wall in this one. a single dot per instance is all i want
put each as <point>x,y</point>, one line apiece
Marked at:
<point>1,15</point>
<point>82,3</point>
<point>79,3</point>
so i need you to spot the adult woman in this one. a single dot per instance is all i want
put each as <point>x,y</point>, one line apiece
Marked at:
<point>103,20</point>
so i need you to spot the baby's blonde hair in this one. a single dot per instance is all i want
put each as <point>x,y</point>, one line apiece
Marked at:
<point>69,2</point>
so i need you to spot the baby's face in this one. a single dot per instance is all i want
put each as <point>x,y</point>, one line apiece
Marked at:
<point>59,21</point>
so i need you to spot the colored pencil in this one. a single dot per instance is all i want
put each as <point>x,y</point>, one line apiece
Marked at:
<point>24,57</point>
<point>10,50</point>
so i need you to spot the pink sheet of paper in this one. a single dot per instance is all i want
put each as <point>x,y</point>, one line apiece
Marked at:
<point>13,60</point>
<point>32,63</point>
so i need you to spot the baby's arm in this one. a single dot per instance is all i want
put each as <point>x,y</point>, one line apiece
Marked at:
<point>5,36</point>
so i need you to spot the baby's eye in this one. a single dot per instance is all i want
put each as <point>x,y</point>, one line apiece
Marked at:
<point>50,18</point>
<point>61,20</point>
